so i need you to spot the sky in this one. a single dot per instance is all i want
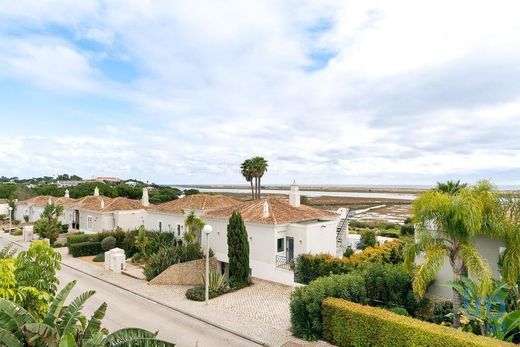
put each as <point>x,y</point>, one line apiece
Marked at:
<point>329,92</point>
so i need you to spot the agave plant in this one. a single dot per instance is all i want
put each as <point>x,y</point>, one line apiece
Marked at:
<point>217,282</point>
<point>65,326</point>
<point>489,312</point>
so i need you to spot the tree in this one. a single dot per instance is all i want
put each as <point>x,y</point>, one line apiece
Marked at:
<point>446,223</point>
<point>49,226</point>
<point>259,167</point>
<point>191,191</point>
<point>450,187</point>
<point>66,326</point>
<point>238,251</point>
<point>193,225</point>
<point>368,239</point>
<point>247,172</point>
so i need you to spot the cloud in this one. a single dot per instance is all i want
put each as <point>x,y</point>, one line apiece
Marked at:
<point>328,91</point>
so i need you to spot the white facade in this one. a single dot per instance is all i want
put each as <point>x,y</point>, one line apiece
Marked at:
<point>4,208</point>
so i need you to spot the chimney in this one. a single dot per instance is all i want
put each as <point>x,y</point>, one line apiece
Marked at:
<point>294,195</point>
<point>145,201</point>
<point>67,193</point>
<point>96,191</point>
<point>265,213</point>
<point>102,204</point>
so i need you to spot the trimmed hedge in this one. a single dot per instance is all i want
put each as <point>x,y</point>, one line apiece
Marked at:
<point>199,293</point>
<point>85,248</point>
<point>349,324</point>
<point>72,239</point>
<point>310,267</point>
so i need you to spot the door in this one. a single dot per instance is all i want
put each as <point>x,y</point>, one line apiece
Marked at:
<point>290,248</point>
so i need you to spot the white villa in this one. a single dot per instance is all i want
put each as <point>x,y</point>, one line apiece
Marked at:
<point>279,229</point>
<point>4,207</point>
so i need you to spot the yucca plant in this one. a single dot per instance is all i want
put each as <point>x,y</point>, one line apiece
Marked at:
<point>217,282</point>
<point>66,326</point>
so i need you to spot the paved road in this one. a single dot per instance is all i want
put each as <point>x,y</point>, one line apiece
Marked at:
<point>128,310</point>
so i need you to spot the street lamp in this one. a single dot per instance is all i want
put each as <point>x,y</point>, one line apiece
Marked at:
<point>207,230</point>
<point>10,212</point>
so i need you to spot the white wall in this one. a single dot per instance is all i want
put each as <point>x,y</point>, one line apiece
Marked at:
<point>169,221</point>
<point>128,220</point>
<point>4,209</point>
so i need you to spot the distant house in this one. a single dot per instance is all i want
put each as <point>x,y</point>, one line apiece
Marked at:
<point>33,207</point>
<point>110,179</point>
<point>4,207</point>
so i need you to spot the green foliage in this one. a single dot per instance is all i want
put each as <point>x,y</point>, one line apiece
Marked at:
<point>310,267</point>
<point>191,191</point>
<point>99,258</point>
<point>66,326</point>
<point>306,301</point>
<point>441,313</point>
<point>17,232</point>
<point>350,324</point>
<point>26,218</point>
<point>400,311</point>
<point>157,240</point>
<point>368,239</point>
<point>198,293</point>
<point>348,252</point>
<point>164,194</point>
<point>217,282</point>
<point>169,256</point>
<point>7,252</point>
<point>85,248</point>
<point>79,238</point>
<point>238,251</point>
<point>48,226</point>
<point>141,241</point>
<point>108,243</point>
<point>407,229</point>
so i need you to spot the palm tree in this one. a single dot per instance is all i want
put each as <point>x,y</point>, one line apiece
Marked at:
<point>193,226</point>
<point>450,187</point>
<point>247,172</point>
<point>510,259</point>
<point>446,224</point>
<point>66,326</point>
<point>259,167</point>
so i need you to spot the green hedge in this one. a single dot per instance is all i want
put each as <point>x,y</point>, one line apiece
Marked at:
<point>79,238</point>
<point>85,248</point>
<point>349,324</point>
<point>199,293</point>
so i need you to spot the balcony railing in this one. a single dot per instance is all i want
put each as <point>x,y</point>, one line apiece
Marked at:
<point>284,263</point>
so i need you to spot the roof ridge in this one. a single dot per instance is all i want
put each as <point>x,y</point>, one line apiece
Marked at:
<point>271,210</point>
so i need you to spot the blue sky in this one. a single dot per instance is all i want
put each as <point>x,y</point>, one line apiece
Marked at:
<point>332,92</point>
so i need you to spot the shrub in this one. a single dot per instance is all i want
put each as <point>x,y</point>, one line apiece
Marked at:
<point>407,229</point>
<point>440,311</point>
<point>368,239</point>
<point>85,248</point>
<point>64,229</point>
<point>108,243</point>
<point>169,256</point>
<point>17,232</point>
<point>348,252</point>
<point>310,267</point>
<point>198,293</point>
<point>26,218</point>
<point>158,240</point>
<point>238,251</point>
<point>99,258</point>
<point>79,238</point>
<point>306,301</point>
<point>350,324</point>
<point>400,311</point>
<point>58,245</point>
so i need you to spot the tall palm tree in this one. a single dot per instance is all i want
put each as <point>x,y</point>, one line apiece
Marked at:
<point>450,187</point>
<point>446,225</point>
<point>247,172</point>
<point>259,165</point>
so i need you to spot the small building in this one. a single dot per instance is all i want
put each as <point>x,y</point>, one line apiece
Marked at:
<point>33,207</point>
<point>4,207</point>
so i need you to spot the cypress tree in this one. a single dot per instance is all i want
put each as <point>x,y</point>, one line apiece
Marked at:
<point>238,251</point>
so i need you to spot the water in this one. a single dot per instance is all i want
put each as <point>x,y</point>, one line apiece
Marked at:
<point>314,193</point>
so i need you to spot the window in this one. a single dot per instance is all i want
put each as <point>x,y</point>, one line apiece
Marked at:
<point>89,222</point>
<point>179,229</point>
<point>279,245</point>
<point>159,225</point>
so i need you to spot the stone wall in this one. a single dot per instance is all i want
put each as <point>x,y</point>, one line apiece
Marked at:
<point>189,273</point>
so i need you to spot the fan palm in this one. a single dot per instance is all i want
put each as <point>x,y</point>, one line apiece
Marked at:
<point>447,222</point>
<point>247,171</point>
<point>66,326</point>
<point>450,187</point>
<point>259,167</point>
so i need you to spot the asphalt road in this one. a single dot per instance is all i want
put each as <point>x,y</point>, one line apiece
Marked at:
<point>129,310</point>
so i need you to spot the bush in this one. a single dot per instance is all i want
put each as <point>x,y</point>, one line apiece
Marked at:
<point>348,252</point>
<point>85,248</point>
<point>439,312</point>
<point>169,256</point>
<point>407,229</point>
<point>350,324</point>
<point>198,293</point>
<point>158,240</point>
<point>108,243</point>
<point>17,232</point>
<point>306,301</point>
<point>99,258</point>
<point>79,238</point>
<point>400,311</point>
<point>64,229</point>
<point>368,239</point>
<point>310,267</point>
<point>58,245</point>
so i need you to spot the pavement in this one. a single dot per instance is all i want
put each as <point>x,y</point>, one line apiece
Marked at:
<point>253,316</point>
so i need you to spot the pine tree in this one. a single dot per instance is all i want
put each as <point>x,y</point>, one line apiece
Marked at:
<point>238,251</point>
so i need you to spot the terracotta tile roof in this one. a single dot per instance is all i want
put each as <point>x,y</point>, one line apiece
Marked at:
<point>195,202</point>
<point>91,202</point>
<point>123,204</point>
<point>94,203</point>
<point>43,200</point>
<point>280,212</point>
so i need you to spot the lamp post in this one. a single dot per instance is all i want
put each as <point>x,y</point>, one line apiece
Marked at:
<point>207,230</point>
<point>10,209</point>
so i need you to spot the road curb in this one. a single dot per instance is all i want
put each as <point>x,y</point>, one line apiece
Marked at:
<point>216,325</point>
